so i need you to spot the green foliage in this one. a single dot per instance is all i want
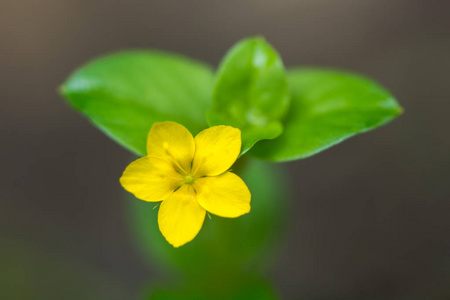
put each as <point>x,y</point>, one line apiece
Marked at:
<point>251,92</point>
<point>125,93</point>
<point>327,107</point>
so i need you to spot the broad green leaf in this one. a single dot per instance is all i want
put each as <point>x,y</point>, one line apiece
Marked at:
<point>251,92</point>
<point>224,247</point>
<point>327,107</point>
<point>124,94</point>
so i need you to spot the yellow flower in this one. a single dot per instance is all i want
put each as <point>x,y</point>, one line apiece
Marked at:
<point>190,176</point>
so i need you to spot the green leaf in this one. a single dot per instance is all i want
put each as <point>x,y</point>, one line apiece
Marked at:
<point>124,94</point>
<point>251,92</point>
<point>327,107</point>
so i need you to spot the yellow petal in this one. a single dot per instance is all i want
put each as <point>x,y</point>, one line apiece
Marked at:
<point>180,217</point>
<point>151,179</point>
<point>216,149</point>
<point>172,141</point>
<point>225,195</point>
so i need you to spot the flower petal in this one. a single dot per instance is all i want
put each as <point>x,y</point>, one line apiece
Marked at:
<point>225,195</point>
<point>151,179</point>
<point>180,217</point>
<point>172,141</point>
<point>216,149</point>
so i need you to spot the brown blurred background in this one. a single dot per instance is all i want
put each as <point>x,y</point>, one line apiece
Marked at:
<point>370,217</point>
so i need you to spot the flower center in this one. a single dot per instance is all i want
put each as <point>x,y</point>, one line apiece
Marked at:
<point>189,179</point>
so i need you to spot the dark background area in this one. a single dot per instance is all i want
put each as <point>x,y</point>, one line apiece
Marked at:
<point>370,217</point>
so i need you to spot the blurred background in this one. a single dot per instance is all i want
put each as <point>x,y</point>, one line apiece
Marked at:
<point>370,218</point>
